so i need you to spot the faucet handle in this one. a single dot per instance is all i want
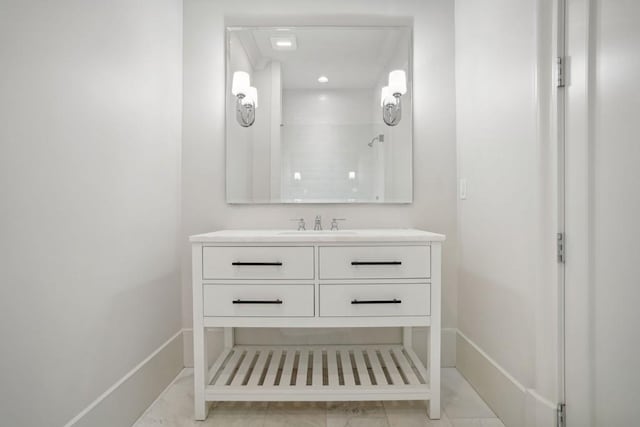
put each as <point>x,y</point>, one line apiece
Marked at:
<point>334,223</point>
<point>301,224</point>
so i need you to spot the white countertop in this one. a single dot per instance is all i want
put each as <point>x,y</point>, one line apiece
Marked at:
<point>280,236</point>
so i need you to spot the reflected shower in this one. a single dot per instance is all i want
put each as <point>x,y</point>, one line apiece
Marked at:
<point>379,138</point>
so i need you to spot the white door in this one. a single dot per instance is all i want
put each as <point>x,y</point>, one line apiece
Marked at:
<point>602,336</point>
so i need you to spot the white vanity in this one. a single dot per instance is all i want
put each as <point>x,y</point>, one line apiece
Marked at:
<point>324,279</point>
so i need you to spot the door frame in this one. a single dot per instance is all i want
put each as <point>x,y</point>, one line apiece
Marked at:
<point>576,323</point>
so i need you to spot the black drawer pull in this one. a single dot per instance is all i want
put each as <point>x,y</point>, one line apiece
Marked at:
<point>377,301</point>
<point>256,263</point>
<point>376,262</point>
<point>257,301</point>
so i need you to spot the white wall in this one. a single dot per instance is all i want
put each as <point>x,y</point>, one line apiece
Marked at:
<point>255,151</point>
<point>204,207</point>
<point>507,300</point>
<point>396,150</point>
<point>261,130</point>
<point>324,137</point>
<point>603,207</point>
<point>241,183</point>
<point>615,212</point>
<point>276,131</point>
<point>391,157</point>
<point>90,185</point>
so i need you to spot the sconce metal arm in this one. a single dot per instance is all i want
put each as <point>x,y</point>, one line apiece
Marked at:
<point>245,112</point>
<point>392,112</point>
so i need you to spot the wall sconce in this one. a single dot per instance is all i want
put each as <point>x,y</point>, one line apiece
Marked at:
<point>246,98</point>
<point>390,97</point>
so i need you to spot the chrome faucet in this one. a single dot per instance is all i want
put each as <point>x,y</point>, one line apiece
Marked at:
<point>334,223</point>
<point>317,225</point>
<point>301,225</point>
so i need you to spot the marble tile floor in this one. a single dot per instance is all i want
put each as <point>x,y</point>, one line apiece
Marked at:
<point>462,407</point>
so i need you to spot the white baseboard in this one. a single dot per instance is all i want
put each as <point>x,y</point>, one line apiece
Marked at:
<point>515,404</point>
<point>123,403</point>
<point>448,349</point>
<point>420,334</point>
<point>540,412</point>
<point>127,399</point>
<point>448,357</point>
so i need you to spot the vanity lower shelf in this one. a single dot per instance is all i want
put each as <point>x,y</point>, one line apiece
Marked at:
<point>318,373</point>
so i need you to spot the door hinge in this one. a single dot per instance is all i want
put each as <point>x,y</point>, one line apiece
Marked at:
<point>561,71</point>
<point>561,247</point>
<point>561,415</point>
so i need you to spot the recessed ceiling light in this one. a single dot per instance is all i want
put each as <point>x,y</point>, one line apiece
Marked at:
<point>283,42</point>
<point>323,79</point>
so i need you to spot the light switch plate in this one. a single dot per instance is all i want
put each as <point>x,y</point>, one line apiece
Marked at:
<point>463,189</point>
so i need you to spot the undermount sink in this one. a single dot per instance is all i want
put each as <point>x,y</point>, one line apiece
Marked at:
<point>317,233</point>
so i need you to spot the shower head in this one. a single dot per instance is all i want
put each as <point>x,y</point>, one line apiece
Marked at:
<point>379,138</point>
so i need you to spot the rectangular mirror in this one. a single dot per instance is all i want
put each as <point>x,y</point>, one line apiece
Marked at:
<point>319,115</point>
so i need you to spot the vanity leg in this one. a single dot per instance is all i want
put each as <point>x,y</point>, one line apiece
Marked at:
<point>433,407</point>
<point>229,338</point>
<point>200,372</point>
<point>200,360</point>
<point>407,336</point>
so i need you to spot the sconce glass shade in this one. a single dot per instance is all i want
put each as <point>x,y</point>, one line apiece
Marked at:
<point>240,83</point>
<point>386,97</point>
<point>251,97</point>
<point>398,82</point>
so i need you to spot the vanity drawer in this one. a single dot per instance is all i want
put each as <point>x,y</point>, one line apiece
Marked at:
<point>411,299</point>
<point>375,262</point>
<point>257,262</point>
<point>291,300</point>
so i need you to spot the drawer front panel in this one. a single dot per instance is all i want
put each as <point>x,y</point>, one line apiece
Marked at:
<point>375,300</point>
<point>268,262</point>
<point>375,262</point>
<point>291,300</point>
